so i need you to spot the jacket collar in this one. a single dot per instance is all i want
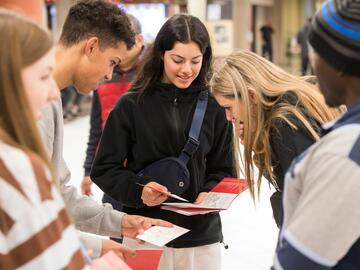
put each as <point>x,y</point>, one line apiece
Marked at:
<point>351,116</point>
<point>171,91</point>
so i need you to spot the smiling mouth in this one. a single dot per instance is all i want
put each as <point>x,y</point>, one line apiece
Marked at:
<point>184,78</point>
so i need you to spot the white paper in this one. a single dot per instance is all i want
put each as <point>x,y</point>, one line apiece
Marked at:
<point>134,244</point>
<point>160,236</point>
<point>213,200</point>
<point>218,200</point>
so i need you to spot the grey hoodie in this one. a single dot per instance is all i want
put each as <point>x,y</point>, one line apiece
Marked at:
<point>87,214</point>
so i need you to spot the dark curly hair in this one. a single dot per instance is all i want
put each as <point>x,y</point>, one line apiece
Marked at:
<point>97,18</point>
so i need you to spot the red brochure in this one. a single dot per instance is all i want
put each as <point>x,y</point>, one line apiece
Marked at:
<point>145,259</point>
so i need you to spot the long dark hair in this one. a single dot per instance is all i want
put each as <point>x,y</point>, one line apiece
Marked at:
<point>179,28</point>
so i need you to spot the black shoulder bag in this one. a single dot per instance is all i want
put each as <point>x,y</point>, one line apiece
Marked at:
<point>172,171</point>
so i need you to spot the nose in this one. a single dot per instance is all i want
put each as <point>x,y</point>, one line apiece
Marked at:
<point>108,76</point>
<point>229,116</point>
<point>54,92</point>
<point>186,68</point>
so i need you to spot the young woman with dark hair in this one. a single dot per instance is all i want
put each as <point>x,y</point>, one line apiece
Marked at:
<point>151,123</point>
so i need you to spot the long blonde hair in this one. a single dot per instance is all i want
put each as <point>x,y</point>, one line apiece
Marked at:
<point>247,76</point>
<point>22,43</point>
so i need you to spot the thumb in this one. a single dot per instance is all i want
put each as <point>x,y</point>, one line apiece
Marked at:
<point>136,222</point>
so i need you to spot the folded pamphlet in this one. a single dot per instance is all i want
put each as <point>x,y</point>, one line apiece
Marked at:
<point>219,198</point>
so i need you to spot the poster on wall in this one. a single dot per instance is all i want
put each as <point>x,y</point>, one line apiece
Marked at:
<point>221,35</point>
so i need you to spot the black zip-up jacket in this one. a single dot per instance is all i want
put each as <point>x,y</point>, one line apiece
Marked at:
<point>142,131</point>
<point>286,144</point>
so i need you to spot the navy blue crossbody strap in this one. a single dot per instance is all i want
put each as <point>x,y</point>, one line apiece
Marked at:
<point>194,133</point>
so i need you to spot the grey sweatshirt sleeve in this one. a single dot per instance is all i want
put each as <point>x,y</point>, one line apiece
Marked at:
<point>88,215</point>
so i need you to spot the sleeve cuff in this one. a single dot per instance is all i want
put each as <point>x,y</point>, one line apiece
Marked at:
<point>92,243</point>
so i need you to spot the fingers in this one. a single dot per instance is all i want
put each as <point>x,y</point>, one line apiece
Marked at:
<point>132,225</point>
<point>154,200</point>
<point>86,186</point>
<point>157,188</point>
<point>154,194</point>
<point>156,222</point>
<point>86,191</point>
<point>200,198</point>
<point>120,250</point>
<point>125,252</point>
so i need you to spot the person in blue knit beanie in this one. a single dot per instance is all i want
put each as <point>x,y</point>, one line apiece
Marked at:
<point>320,228</point>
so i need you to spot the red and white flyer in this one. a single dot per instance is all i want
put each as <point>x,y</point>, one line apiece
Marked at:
<point>219,198</point>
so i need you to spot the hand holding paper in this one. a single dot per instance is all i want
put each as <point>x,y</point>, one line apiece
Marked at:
<point>160,236</point>
<point>132,225</point>
<point>219,198</point>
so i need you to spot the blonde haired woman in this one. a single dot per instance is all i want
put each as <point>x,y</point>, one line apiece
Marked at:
<point>276,115</point>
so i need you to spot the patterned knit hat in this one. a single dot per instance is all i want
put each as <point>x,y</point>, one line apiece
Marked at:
<point>335,35</point>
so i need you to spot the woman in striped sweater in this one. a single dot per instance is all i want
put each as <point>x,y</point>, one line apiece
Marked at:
<point>35,230</point>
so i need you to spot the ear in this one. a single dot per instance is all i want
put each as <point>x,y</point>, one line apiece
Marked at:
<point>91,45</point>
<point>252,96</point>
<point>139,39</point>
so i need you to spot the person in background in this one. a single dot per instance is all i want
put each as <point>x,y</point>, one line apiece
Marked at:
<point>88,50</point>
<point>321,197</point>
<point>277,116</point>
<point>71,102</point>
<point>104,99</point>
<point>302,40</point>
<point>152,122</point>
<point>266,37</point>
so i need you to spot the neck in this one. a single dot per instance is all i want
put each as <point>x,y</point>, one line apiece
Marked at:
<point>352,91</point>
<point>66,61</point>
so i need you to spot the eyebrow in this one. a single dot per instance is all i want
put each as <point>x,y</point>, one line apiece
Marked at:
<point>184,57</point>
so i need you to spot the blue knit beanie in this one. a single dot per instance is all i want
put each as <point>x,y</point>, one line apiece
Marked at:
<point>335,35</point>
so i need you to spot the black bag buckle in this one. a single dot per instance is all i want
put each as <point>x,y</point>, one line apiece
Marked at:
<point>191,146</point>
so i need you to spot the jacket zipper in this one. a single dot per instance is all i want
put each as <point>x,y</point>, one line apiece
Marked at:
<point>176,119</point>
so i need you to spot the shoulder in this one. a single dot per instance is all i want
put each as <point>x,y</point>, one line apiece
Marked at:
<point>51,118</point>
<point>12,158</point>
<point>19,162</point>
<point>51,114</point>
<point>343,141</point>
<point>335,152</point>
<point>129,99</point>
<point>289,122</point>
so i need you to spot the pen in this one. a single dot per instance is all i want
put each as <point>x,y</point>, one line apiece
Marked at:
<point>169,194</point>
